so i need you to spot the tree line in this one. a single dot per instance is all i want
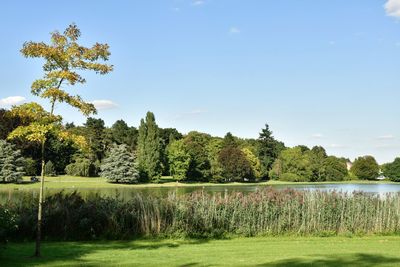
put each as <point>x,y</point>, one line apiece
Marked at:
<point>126,154</point>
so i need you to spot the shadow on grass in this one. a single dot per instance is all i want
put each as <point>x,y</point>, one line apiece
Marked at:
<point>73,253</point>
<point>359,259</point>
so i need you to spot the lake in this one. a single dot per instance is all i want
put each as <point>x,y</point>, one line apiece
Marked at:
<point>126,193</point>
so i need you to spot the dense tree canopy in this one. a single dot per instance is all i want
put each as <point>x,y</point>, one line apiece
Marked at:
<point>365,168</point>
<point>392,170</point>
<point>11,163</point>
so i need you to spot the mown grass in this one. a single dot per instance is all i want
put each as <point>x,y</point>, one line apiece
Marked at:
<point>259,251</point>
<point>71,182</point>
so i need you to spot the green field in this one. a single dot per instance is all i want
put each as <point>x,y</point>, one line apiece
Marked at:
<point>70,182</point>
<point>259,251</point>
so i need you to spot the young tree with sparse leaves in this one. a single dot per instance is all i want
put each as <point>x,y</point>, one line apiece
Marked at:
<point>64,58</point>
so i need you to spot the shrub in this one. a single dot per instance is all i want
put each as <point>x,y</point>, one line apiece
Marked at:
<point>49,169</point>
<point>292,177</point>
<point>81,167</point>
<point>30,167</point>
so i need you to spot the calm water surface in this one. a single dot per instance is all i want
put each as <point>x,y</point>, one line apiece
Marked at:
<point>126,193</point>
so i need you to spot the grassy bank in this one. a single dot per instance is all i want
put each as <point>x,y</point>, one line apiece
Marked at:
<point>260,251</point>
<point>65,182</point>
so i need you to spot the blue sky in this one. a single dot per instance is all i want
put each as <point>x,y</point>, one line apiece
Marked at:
<point>318,72</point>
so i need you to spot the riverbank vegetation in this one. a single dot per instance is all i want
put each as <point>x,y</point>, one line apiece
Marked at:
<point>203,215</point>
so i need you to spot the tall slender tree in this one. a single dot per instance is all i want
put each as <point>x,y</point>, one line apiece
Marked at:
<point>63,59</point>
<point>149,148</point>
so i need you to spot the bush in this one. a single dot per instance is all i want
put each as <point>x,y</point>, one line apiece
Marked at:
<point>7,224</point>
<point>292,177</point>
<point>81,167</point>
<point>49,169</point>
<point>30,167</point>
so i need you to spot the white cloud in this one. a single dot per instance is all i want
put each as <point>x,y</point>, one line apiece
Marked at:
<point>12,100</point>
<point>392,8</point>
<point>104,104</point>
<point>234,30</point>
<point>317,135</point>
<point>386,137</point>
<point>198,2</point>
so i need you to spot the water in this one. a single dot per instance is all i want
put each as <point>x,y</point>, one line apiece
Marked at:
<point>126,193</point>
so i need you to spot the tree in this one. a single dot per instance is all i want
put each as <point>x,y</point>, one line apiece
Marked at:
<point>49,169</point>
<point>196,144</point>
<point>11,163</point>
<point>392,170</point>
<point>335,169</point>
<point>317,158</point>
<point>235,166</point>
<point>179,160</point>
<point>149,149</point>
<point>268,150</point>
<point>81,166</point>
<point>294,161</point>
<point>167,136</point>
<point>120,166</point>
<point>254,162</point>
<point>63,57</point>
<point>365,168</point>
<point>95,137</point>
<point>123,134</point>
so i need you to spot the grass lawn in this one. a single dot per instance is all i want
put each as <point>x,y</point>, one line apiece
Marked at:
<point>259,251</point>
<point>70,182</point>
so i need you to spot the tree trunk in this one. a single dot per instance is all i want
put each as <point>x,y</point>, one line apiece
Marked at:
<point>39,222</point>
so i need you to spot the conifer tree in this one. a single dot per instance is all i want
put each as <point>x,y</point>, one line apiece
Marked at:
<point>149,148</point>
<point>120,166</point>
<point>11,163</point>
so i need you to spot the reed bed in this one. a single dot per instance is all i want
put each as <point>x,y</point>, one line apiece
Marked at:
<point>69,216</point>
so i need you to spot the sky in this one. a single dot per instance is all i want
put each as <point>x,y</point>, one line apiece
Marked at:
<point>318,72</point>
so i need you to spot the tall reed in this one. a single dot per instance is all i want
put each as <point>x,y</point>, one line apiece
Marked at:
<point>265,212</point>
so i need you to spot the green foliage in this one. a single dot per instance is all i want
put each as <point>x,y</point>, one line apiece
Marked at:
<point>82,167</point>
<point>392,170</point>
<point>179,160</point>
<point>254,162</point>
<point>365,168</point>
<point>149,149</point>
<point>49,169</point>
<point>235,166</point>
<point>30,167</point>
<point>335,169</point>
<point>123,134</point>
<point>196,144</point>
<point>8,224</point>
<point>11,163</point>
<point>167,136</point>
<point>268,150</point>
<point>293,160</point>
<point>292,177</point>
<point>120,166</point>
<point>264,212</point>
<point>95,137</point>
